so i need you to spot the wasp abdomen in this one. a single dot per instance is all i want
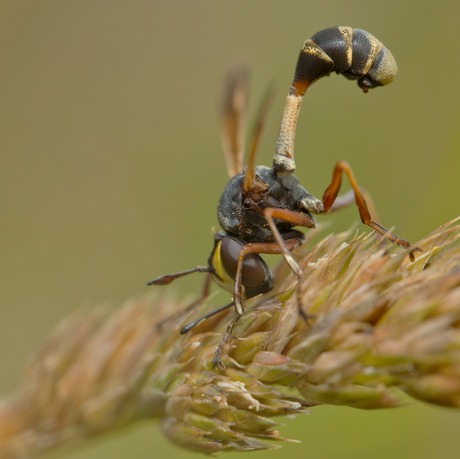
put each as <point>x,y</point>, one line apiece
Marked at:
<point>256,276</point>
<point>355,53</point>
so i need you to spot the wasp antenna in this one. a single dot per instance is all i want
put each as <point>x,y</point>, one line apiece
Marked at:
<point>355,53</point>
<point>233,116</point>
<point>249,182</point>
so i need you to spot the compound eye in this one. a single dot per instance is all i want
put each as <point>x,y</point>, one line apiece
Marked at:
<point>254,268</point>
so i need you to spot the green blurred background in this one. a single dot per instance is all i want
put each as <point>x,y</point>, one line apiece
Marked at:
<point>111,166</point>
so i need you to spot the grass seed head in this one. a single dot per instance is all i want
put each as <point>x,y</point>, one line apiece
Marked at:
<point>378,324</point>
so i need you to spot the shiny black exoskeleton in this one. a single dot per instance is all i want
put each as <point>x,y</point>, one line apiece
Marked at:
<point>241,214</point>
<point>223,261</point>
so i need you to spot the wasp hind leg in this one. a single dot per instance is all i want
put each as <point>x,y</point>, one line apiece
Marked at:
<point>330,198</point>
<point>266,248</point>
<point>190,325</point>
<point>168,278</point>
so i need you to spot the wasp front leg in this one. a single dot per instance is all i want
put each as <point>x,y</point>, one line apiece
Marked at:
<point>286,246</point>
<point>281,246</point>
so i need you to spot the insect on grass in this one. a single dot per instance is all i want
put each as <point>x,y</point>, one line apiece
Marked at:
<point>260,206</point>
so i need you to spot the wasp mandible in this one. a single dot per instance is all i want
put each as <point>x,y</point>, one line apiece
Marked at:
<point>260,206</point>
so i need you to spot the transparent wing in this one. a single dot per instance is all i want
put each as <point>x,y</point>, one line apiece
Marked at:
<point>250,182</point>
<point>233,116</point>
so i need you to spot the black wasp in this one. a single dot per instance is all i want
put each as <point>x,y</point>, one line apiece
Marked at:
<point>260,206</point>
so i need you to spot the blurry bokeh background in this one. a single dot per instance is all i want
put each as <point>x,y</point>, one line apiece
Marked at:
<point>110,166</point>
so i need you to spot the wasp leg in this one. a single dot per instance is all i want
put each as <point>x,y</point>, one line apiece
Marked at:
<point>298,219</point>
<point>190,325</point>
<point>281,246</point>
<point>168,278</point>
<point>272,248</point>
<point>216,362</point>
<point>330,197</point>
<point>348,199</point>
<point>191,306</point>
<point>252,247</point>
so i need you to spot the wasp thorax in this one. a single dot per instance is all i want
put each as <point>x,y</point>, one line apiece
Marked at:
<point>242,214</point>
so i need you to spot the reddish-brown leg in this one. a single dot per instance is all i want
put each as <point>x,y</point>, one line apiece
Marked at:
<point>330,196</point>
<point>281,246</point>
<point>348,198</point>
<point>298,219</point>
<point>262,247</point>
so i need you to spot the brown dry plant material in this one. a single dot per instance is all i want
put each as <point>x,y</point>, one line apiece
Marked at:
<point>380,324</point>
